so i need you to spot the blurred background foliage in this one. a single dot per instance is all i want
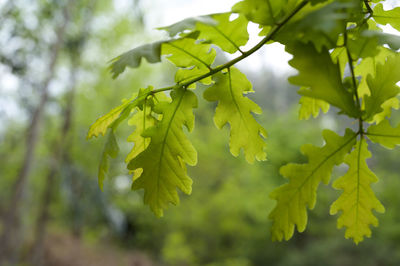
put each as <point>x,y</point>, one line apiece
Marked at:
<point>54,83</point>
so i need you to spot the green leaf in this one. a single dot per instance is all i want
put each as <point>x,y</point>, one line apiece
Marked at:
<point>387,106</point>
<point>362,41</point>
<point>294,197</point>
<point>228,35</point>
<point>331,17</point>
<point>141,120</point>
<point>382,86</point>
<point>310,106</point>
<point>188,24</point>
<point>164,161</point>
<point>118,114</point>
<point>111,149</point>
<point>357,199</point>
<point>321,76</point>
<point>235,109</point>
<point>106,121</point>
<point>367,66</point>
<point>384,134</point>
<point>391,17</point>
<point>393,41</point>
<point>133,58</point>
<point>195,58</point>
<point>264,12</point>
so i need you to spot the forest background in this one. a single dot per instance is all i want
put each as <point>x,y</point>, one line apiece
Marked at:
<point>54,83</point>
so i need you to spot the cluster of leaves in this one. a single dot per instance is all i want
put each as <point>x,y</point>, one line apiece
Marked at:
<point>343,60</point>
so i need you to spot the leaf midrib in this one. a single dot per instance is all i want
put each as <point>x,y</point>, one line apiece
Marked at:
<point>190,54</point>
<point>320,164</point>
<point>165,140</point>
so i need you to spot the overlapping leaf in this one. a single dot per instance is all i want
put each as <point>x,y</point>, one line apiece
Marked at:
<point>103,123</point>
<point>294,197</point>
<point>367,67</point>
<point>384,134</point>
<point>332,18</point>
<point>321,77</point>
<point>264,12</point>
<point>164,161</point>
<point>357,200</point>
<point>311,107</point>
<point>194,58</point>
<point>235,109</point>
<point>151,52</point>
<point>391,17</point>
<point>117,114</point>
<point>188,24</point>
<point>111,149</point>
<point>382,86</point>
<point>141,120</point>
<point>228,35</point>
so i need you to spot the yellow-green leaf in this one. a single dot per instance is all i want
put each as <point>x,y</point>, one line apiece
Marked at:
<point>391,17</point>
<point>235,109</point>
<point>195,58</point>
<point>164,161</point>
<point>384,134</point>
<point>320,77</point>
<point>133,58</point>
<point>264,12</point>
<point>103,123</point>
<point>118,114</point>
<point>300,193</point>
<point>357,200</point>
<point>141,120</point>
<point>310,107</point>
<point>383,86</point>
<point>228,35</point>
<point>111,149</point>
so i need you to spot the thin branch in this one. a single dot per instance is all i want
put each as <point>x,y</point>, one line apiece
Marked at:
<point>370,11</point>
<point>267,38</point>
<point>353,78</point>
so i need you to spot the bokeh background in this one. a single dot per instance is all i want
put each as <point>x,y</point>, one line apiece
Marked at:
<point>54,83</point>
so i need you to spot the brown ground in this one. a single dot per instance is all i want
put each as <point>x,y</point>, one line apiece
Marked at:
<point>66,250</point>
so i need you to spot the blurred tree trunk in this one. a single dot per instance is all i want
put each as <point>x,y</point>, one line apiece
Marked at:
<point>50,182</point>
<point>60,151</point>
<point>10,238</point>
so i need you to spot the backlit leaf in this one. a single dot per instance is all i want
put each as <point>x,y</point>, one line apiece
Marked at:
<point>103,123</point>
<point>111,149</point>
<point>164,161</point>
<point>300,193</point>
<point>357,199</point>
<point>228,35</point>
<point>235,109</point>
<point>383,86</point>
<point>133,58</point>
<point>310,107</point>
<point>391,17</point>
<point>195,58</point>
<point>384,134</point>
<point>264,12</point>
<point>188,24</point>
<point>321,77</point>
<point>331,18</point>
